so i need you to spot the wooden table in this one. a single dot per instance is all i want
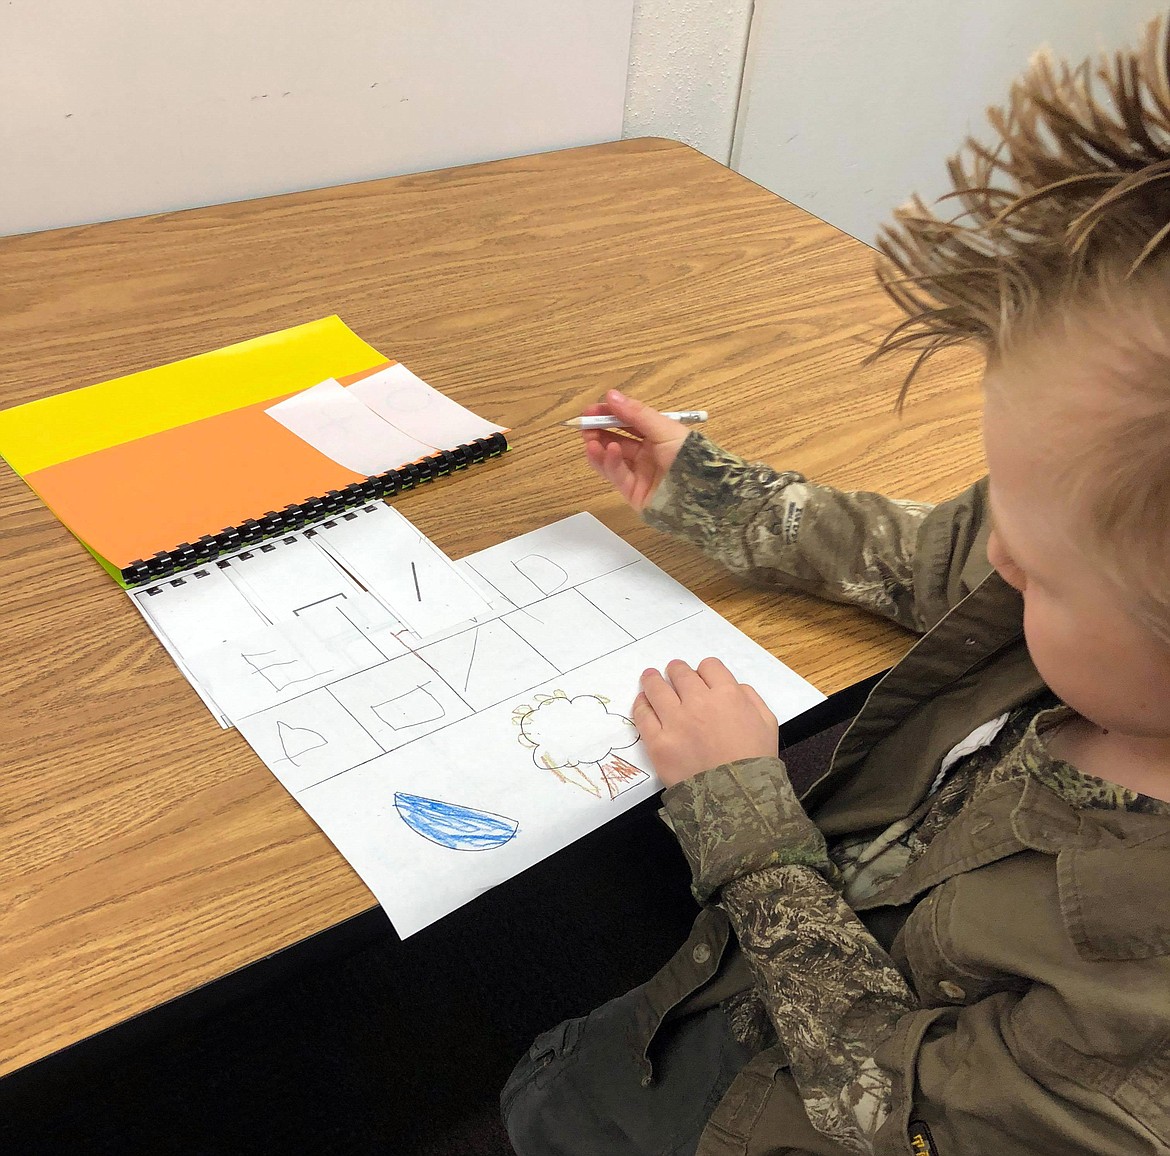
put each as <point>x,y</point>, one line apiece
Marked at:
<point>146,852</point>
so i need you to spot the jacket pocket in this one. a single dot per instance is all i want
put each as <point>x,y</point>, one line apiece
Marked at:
<point>943,971</point>
<point>684,984</point>
<point>544,1057</point>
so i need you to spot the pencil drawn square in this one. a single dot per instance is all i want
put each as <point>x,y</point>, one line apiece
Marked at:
<point>411,708</point>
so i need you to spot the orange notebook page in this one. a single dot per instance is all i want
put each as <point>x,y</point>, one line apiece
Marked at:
<point>132,500</point>
<point>69,425</point>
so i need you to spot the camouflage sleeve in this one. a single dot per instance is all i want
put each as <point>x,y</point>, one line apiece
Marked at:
<point>832,993</point>
<point>781,530</point>
<point>742,817</point>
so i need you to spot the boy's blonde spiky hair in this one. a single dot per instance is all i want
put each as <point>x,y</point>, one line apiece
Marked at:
<point>1063,226</point>
<point>1076,188</point>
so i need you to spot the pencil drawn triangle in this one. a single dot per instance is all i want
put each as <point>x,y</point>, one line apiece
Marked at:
<point>297,741</point>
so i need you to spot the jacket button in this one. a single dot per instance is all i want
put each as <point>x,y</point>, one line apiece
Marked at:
<point>951,990</point>
<point>701,953</point>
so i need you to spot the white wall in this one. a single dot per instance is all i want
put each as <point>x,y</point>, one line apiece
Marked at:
<point>848,108</point>
<point>686,62</point>
<point>113,108</point>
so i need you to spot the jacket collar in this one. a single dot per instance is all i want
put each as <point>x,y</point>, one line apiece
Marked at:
<point>1111,866</point>
<point>1114,896</point>
<point>972,661</point>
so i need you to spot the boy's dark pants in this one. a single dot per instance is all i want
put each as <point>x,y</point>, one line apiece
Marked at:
<point>578,1092</point>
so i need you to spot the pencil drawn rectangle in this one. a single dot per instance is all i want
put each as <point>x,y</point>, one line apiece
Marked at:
<point>567,629</point>
<point>355,628</point>
<point>283,576</point>
<point>308,740</point>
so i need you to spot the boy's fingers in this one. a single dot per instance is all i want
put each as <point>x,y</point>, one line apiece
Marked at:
<point>642,714</point>
<point>629,447</point>
<point>612,464</point>
<point>642,418</point>
<point>753,697</point>
<point>714,673</point>
<point>682,677</point>
<point>659,693</point>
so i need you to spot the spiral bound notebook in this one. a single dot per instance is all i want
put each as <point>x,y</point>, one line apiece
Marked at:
<point>176,465</point>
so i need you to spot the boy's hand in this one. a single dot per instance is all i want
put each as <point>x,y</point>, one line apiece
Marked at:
<point>700,718</point>
<point>633,461</point>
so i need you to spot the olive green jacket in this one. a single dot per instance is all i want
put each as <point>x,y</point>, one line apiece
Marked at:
<point>1009,992</point>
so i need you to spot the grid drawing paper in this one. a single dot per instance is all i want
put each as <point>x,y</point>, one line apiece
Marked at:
<point>442,765</point>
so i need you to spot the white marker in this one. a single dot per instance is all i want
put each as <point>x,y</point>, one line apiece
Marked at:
<point>608,421</point>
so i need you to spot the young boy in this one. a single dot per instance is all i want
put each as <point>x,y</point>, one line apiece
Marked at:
<point>958,941</point>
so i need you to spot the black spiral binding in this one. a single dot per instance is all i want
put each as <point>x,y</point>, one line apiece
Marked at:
<point>252,530</point>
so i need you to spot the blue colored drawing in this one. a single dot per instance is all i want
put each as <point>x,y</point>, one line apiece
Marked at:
<point>449,825</point>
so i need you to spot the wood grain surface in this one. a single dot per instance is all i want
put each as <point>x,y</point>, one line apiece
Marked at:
<point>145,851</point>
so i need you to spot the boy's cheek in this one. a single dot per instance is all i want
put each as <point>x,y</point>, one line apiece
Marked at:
<point>1003,564</point>
<point>1051,654</point>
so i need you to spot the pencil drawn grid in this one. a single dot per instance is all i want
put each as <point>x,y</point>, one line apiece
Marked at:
<point>464,674</point>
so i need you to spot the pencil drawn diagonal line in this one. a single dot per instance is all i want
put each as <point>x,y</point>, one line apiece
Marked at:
<point>319,602</point>
<point>453,826</point>
<point>417,591</point>
<point>471,660</point>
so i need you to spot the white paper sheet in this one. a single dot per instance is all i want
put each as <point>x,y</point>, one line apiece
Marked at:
<point>405,401</point>
<point>280,663</point>
<point>442,762</point>
<point>260,602</point>
<point>404,569</point>
<point>198,609</point>
<point>285,577</point>
<point>177,658</point>
<point>502,740</point>
<point>334,420</point>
